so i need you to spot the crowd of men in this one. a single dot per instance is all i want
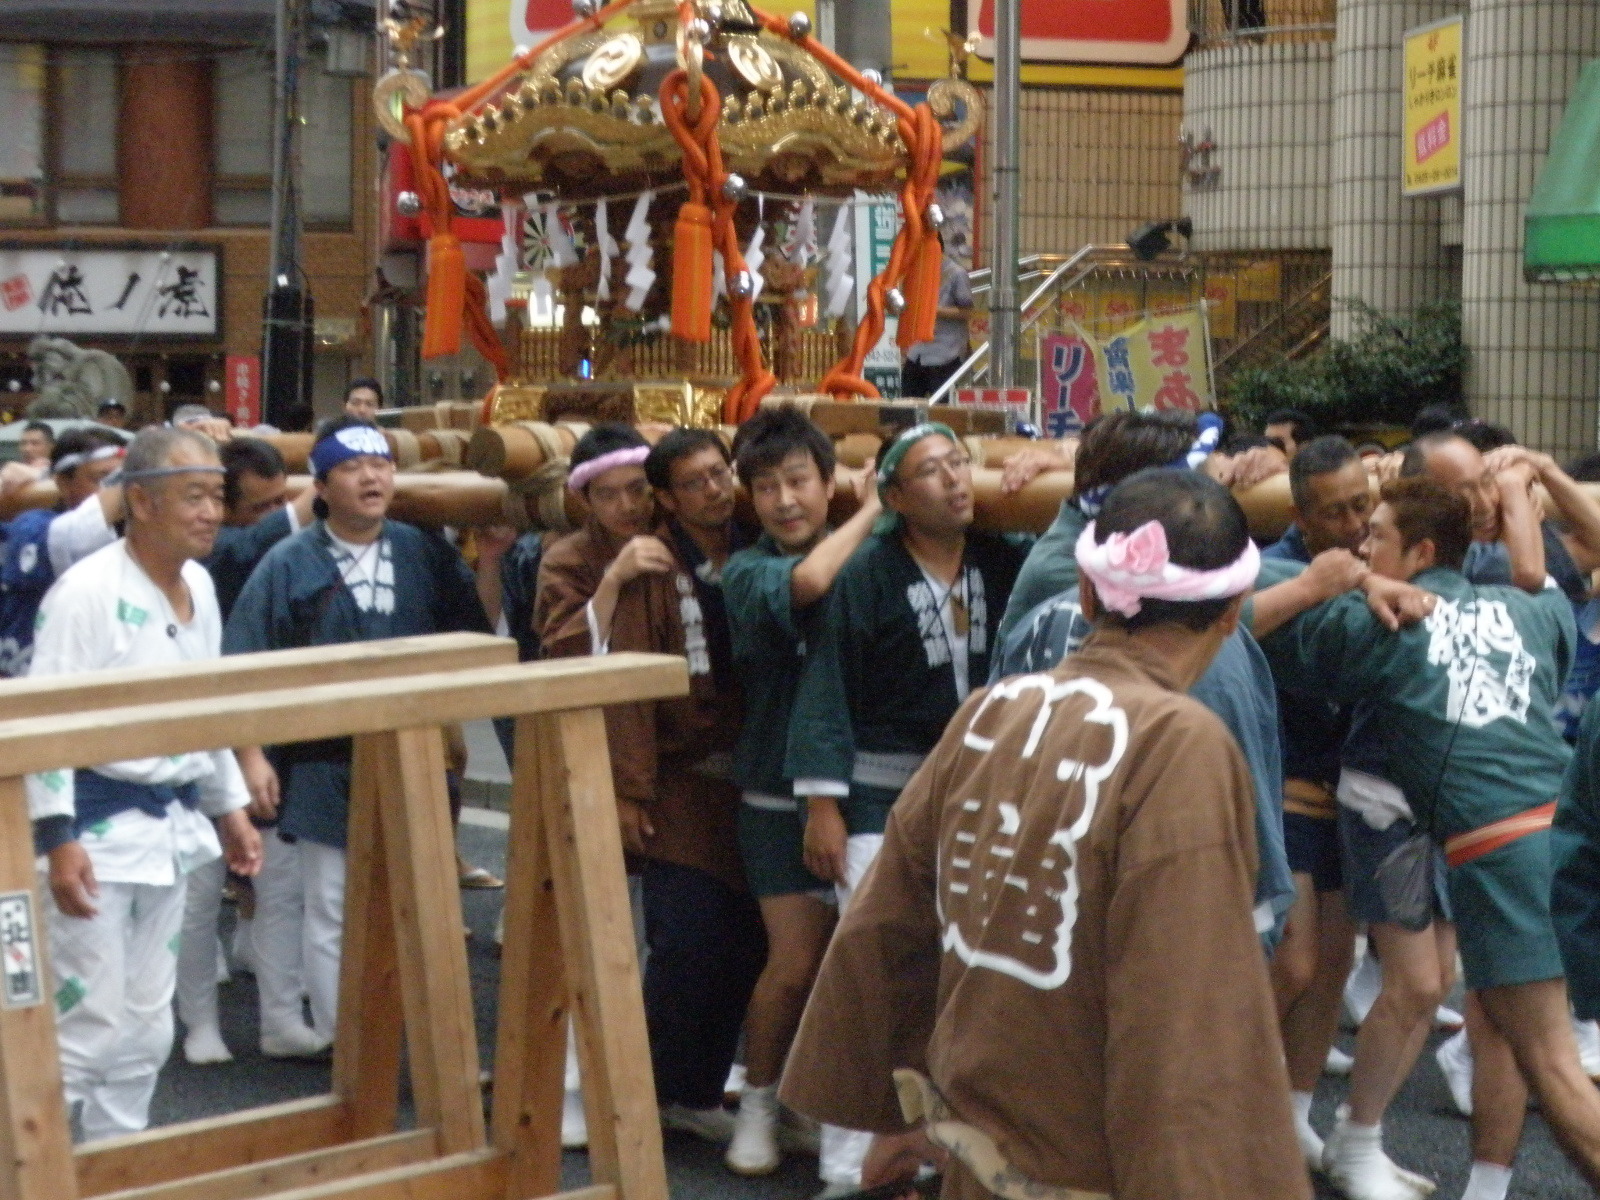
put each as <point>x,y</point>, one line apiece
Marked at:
<point>1041,862</point>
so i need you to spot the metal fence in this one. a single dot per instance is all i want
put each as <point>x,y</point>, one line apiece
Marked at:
<point>1223,22</point>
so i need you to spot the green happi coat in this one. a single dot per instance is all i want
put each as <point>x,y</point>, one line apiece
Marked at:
<point>1468,700</point>
<point>769,649</point>
<point>878,685</point>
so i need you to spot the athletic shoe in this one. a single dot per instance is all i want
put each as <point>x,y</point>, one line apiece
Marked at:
<point>203,1046</point>
<point>300,1042</point>
<point>754,1147</point>
<point>1455,1063</point>
<point>708,1124</point>
<point>1362,988</point>
<point>1339,1063</point>
<point>1448,1020</point>
<point>574,1122</point>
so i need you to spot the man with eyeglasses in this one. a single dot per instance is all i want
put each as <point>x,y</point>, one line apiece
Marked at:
<point>904,636</point>
<point>671,761</point>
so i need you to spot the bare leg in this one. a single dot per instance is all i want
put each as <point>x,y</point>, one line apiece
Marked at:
<point>798,928</point>
<point>1294,963</point>
<point>1535,1020</point>
<point>1414,981</point>
<point>1313,1020</point>
<point>1499,1095</point>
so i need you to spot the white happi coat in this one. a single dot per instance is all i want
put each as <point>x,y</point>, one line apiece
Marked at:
<point>114,972</point>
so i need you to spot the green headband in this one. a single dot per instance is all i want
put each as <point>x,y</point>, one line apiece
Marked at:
<point>889,463</point>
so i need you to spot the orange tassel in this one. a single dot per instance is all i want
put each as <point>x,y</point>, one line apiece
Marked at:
<point>692,273</point>
<point>447,294</point>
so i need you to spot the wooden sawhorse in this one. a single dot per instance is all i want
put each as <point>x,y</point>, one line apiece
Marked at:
<point>569,940</point>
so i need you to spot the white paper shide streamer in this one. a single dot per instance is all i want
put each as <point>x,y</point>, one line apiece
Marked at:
<point>608,248</point>
<point>506,263</point>
<point>637,235</point>
<point>839,285</point>
<point>754,256</point>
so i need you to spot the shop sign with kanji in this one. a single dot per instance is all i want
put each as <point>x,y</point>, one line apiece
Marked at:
<point>109,291</point>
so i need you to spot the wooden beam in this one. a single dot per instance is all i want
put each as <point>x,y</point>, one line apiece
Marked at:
<point>35,1143</point>
<point>46,695</point>
<point>110,735</point>
<point>425,897</point>
<point>603,967</point>
<point>367,1042</point>
<point>212,1144</point>
<point>296,1170</point>
<point>530,1055</point>
<point>480,1174</point>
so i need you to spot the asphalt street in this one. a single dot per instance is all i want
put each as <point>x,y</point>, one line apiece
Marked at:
<point>1422,1132</point>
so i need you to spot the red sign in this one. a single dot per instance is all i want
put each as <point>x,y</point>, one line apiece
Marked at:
<point>15,292</point>
<point>1069,383</point>
<point>1433,137</point>
<point>1151,32</point>
<point>243,389</point>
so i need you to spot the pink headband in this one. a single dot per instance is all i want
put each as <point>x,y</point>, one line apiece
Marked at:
<point>581,474</point>
<point>1130,567</point>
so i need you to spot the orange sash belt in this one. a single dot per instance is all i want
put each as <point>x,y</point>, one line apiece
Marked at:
<point>1475,843</point>
<point>1310,799</point>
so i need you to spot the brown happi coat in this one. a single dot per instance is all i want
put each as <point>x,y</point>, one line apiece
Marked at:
<point>1058,932</point>
<point>671,757</point>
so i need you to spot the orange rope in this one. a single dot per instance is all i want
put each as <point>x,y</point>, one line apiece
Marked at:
<point>703,169</point>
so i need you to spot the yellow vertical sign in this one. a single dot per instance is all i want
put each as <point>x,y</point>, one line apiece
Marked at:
<point>1432,89</point>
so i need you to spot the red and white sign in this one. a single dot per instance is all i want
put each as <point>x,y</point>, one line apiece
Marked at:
<point>243,389</point>
<point>1148,32</point>
<point>1012,397</point>
<point>534,20</point>
<point>1433,137</point>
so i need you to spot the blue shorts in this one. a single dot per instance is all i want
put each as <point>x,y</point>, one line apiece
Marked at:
<point>1364,849</point>
<point>772,845</point>
<point>1313,847</point>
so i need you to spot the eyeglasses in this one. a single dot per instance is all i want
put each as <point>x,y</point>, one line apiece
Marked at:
<point>718,478</point>
<point>953,464</point>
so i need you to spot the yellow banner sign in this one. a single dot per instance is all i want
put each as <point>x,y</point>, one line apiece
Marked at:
<point>1433,108</point>
<point>1158,363</point>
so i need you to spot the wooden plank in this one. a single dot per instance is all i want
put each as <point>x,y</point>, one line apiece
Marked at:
<point>474,1176</point>
<point>425,898</point>
<point>212,1144</point>
<point>35,1143</point>
<point>296,1170</point>
<point>603,968</point>
<point>367,1043</point>
<point>268,671</point>
<point>372,706</point>
<point>530,1051</point>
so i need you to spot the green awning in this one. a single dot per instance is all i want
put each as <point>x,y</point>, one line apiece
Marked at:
<point>1562,225</point>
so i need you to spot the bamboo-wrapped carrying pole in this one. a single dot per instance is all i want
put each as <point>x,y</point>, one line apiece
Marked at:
<point>465,498</point>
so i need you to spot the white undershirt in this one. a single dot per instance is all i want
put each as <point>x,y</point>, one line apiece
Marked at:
<point>364,570</point>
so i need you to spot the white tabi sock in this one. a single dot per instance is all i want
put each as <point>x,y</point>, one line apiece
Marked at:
<point>1488,1181</point>
<point>1358,1167</point>
<point>1310,1141</point>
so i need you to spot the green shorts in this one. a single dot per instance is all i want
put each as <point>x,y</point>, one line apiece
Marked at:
<point>1502,911</point>
<point>772,843</point>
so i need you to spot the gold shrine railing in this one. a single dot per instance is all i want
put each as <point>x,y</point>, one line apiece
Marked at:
<point>545,356</point>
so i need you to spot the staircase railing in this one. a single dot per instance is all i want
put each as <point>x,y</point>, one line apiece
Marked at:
<point>1292,333</point>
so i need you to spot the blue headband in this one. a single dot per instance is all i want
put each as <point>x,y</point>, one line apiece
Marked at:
<point>1208,432</point>
<point>353,441</point>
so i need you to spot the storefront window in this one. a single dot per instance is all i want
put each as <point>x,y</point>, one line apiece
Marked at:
<point>325,150</point>
<point>22,100</point>
<point>86,141</point>
<point>243,132</point>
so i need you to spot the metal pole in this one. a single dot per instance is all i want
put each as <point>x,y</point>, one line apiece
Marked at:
<point>286,341</point>
<point>1003,293</point>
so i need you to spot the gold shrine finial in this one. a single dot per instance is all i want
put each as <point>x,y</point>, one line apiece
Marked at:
<point>406,29</point>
